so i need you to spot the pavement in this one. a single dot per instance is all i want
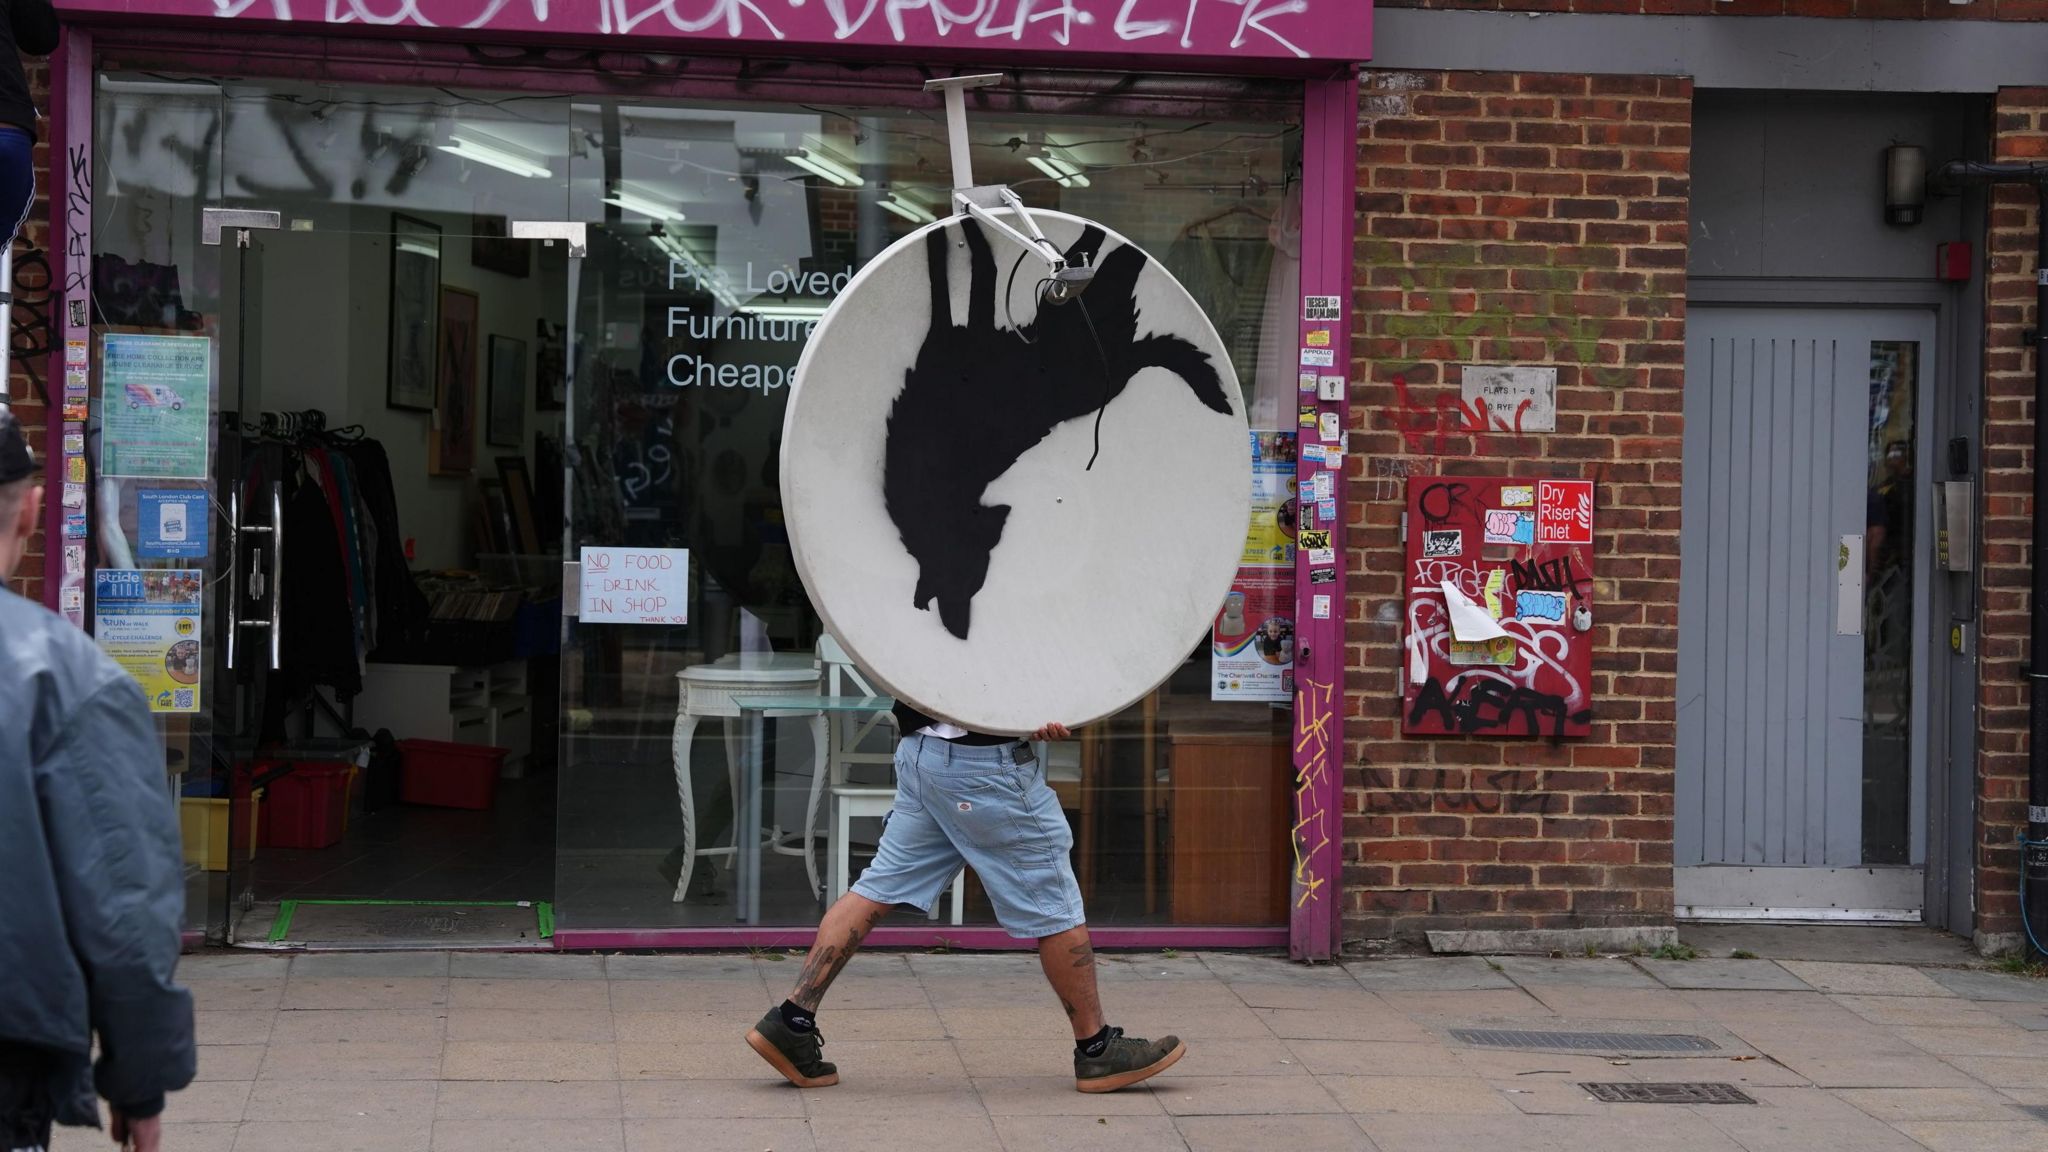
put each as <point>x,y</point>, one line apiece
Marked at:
<point>439,1052</point>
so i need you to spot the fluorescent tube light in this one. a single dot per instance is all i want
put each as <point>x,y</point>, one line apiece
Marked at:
<point>644,205</point>
<point>704,276</point>
<point>493,152</point>
<point>789,309</point>
<point>907,208</point>
<point>822,164</point>
<point>1056,165</point>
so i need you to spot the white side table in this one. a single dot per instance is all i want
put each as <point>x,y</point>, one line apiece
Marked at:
<point>706,692</point>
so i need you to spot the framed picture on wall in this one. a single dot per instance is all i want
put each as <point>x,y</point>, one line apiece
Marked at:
<point>451,449</point>
<point>519,498</point>
<point>505,414</point>
<point>492,248</point>
<point>415,314</point>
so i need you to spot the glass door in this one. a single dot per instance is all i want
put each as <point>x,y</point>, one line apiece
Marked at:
<point>144,521</point>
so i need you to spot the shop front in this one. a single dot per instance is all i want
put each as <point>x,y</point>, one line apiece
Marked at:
<point>389,336</point>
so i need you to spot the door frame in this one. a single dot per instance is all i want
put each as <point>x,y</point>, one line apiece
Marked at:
<point>1944,689</point>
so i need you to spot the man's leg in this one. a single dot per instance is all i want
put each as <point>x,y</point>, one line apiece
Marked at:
<point>846,924</point>
<point>1069,963</point>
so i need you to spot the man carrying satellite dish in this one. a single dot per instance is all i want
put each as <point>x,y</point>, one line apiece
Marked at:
<point>963,798</point>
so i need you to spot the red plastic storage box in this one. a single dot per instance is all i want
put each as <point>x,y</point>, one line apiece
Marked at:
<point>448,775</point>
<point>306,807</point>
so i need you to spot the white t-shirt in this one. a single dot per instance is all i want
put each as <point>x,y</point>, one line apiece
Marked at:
<point>942,731</point>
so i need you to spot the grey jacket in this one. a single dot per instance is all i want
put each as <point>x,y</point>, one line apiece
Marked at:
<point>92,890</point>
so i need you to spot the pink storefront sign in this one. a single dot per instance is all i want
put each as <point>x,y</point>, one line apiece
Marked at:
<point>1246,35</point>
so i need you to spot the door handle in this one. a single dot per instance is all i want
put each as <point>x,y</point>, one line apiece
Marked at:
<point>234,553</point>
<point>259,587</point>
<point>276,572</point>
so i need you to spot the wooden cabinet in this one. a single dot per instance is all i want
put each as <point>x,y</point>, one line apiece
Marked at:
<point>1229,803</point>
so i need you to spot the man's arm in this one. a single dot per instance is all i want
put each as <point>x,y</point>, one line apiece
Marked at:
<point>34,24</point>
<point>114,846</point>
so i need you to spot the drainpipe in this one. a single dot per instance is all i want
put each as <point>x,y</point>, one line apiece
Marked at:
<point>2034,857</point>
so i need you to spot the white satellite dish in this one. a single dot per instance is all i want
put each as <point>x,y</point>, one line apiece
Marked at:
<point>938,487</point>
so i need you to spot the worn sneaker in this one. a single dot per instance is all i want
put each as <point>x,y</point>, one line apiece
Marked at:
<point>1126,1061</point>
<point>799,1056</point>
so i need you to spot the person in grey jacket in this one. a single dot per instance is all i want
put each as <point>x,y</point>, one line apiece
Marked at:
<point>91,884</point>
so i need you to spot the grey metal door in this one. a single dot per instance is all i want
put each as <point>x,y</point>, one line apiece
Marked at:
<point>1800,787</point>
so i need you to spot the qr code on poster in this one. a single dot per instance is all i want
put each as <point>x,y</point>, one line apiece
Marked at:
<point>182,699</point>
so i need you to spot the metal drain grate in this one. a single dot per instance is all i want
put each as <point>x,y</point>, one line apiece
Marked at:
<point>1583,1041</point>
<point>1675,1093</point>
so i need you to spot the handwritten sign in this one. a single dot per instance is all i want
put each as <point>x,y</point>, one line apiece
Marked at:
<point>636,586</point>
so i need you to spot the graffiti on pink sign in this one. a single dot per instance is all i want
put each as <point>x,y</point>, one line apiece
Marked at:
<point>1217,29</point>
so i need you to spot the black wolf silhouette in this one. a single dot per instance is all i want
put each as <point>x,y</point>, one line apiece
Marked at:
<point>978,397</point>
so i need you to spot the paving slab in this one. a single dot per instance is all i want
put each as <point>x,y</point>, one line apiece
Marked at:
<point>1864,979</point>
<point>1974,984</point>
<point>431,965</point>
<point>526,966</point>
<point>1583,973</point>
<point>1894,1105</point>
<point>1110,1133</point>
<point>1427,974</point>
<point>1314,1133</point>
<point>1723,975</point>
<point>1436,1095</point>
<point>1801,1120</point>
<point>668,1135</point>
<point>1905,944</point>
<point>528,1135</point>
<point>1977,1135</point>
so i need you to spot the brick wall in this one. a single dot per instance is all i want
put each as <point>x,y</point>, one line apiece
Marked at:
<point>1857,9</point>
<point>30,332</point>
<point>1530,219</point>
<point>2020,133</point>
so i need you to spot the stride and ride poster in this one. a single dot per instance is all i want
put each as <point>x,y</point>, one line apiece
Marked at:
<point>1252,641</point>
<point>148,623</point>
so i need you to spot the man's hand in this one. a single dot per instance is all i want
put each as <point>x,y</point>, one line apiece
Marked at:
<point>141,1135</point>
<point>1053,732</point>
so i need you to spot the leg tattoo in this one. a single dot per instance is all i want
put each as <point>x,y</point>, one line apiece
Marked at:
<point>825,961</point>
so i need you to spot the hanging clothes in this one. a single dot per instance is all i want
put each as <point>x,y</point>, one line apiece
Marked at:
<point>400,615</point>
<point>1273,390</point>
<point>1228,276</point>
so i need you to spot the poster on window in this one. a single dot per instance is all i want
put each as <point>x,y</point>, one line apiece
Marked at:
<point>153,405</point>
<point>1254,638</point>
<point>148,623</point>
<point>1252,641</point>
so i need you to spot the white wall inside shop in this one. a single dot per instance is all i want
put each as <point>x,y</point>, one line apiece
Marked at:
<point>324,339</point>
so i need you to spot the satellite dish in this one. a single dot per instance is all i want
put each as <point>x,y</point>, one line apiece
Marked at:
<point>953,519</point>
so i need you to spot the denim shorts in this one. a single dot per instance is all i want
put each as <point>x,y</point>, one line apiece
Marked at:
<point>990,809</point>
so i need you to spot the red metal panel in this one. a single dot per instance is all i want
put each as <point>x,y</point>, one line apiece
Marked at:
<point>1521,552</point>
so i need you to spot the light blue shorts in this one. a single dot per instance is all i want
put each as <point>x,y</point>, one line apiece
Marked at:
<point>990,809</point>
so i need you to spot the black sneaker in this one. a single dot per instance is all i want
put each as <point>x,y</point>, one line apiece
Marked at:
<point>799,1056</point>
<point>1126,1061</point>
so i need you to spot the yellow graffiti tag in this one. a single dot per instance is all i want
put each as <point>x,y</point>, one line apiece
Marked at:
<point>1315,737</point>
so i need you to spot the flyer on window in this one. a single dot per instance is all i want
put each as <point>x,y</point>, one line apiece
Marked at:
<point>1252,641</point>
<point>154,394</point>
<point>148,623</point>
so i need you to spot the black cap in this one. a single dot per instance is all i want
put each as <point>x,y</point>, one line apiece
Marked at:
<point>16,461</point>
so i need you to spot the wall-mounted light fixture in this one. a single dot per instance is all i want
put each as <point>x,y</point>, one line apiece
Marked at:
<point>1061,166</point>
<point>1905,184</point>
<point>901,203</point>
<point>643,203</point>
<point>823,164</point>
<point>493,152</point>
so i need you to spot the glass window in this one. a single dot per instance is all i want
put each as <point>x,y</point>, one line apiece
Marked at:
<point>525,401</point>
<point>727,233</point>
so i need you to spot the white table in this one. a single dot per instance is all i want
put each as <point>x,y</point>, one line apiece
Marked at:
<point>708,691</point>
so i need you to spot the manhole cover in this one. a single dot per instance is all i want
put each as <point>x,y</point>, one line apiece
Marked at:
<point>1583,1041</point>
<point>1668,1093</point>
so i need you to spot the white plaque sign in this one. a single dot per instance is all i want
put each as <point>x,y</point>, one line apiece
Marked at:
<point>1517,399</point>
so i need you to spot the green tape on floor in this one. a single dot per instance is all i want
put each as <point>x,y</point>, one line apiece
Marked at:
<point>283,923</point>
<point>544,912</point>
